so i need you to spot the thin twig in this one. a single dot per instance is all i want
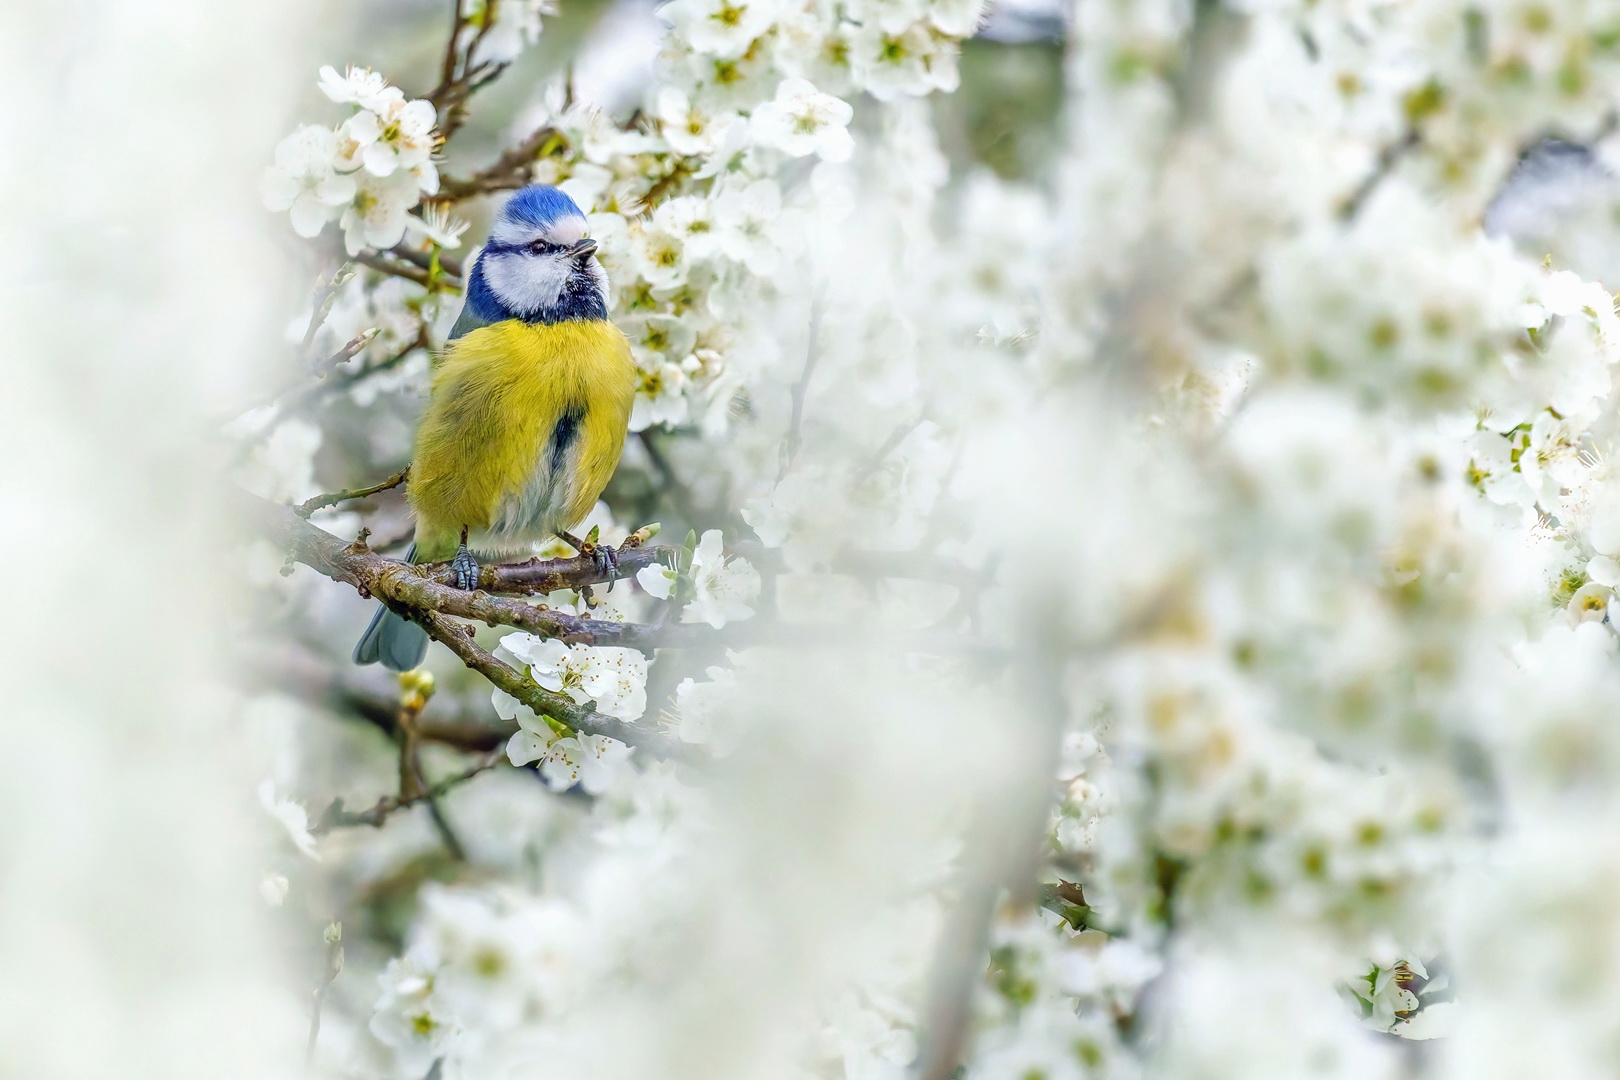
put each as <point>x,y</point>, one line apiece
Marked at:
<point>1388,157</point>
<point>791,447</point>
<point>337,816</point>
<point>349,351</point>
<point>511,170</point>
<point>896,437</point>
<point>320,502</point>
<point>349,379</point>
<point>382,263</point>
<point>447,834</point>
<point>463,721</point>
<point>680,496</point>
<point>459,77</point>
<point>324,298</point>
<point>334,967</point>
<point>303,394</point>
<point>665,184</point>
<point>447,263</point>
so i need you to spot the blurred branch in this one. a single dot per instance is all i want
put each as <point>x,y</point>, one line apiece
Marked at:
<point>1388,158</point>
<point>1001,851</point>
<point>463,721</point>
<point>680,496</point>
<point>896,437</point>
<point>447,263</point>
<point>337,816</point>
<point>511,170</point>
<point>790,448</point>
<point>665,184</point>
<point>333,968</point>
<point>385,263</point>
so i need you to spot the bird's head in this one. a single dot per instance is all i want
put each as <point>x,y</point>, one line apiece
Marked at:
<point>538,264</point>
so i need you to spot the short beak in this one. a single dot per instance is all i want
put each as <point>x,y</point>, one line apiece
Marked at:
<point>583,248</point>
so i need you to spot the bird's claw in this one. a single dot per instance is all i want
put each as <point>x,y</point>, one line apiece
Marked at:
<point>607,563</point>
<point>602,556</point>
<point>465,568</point>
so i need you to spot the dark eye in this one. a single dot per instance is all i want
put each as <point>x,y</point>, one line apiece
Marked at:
<point>541,247</point>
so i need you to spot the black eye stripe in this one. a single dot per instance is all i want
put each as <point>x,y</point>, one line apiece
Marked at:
<point>532,247</point>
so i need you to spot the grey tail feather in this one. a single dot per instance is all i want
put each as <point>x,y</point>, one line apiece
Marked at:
<point>395,641</point>
<point>399,643</point>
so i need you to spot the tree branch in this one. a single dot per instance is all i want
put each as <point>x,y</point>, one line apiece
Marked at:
<point>320,502</point>
<point>382,263</point>
<point>421,591</point>
<point>666,184</point>
<point>463,721</point>
<point>790,448</point>
<point>582,718</point>
<point>337,816</point>
<point>448,263</point>
<point>511,170</point>
<point>1388,158</point>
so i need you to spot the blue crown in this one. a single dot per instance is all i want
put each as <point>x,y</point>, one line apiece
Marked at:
<point>538,205</point>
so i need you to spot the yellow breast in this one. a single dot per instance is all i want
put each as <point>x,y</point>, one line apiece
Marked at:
<point>487,454</point>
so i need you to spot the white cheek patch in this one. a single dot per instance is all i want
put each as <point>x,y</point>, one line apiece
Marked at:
<point>526,284</point>
<point>564,231</point>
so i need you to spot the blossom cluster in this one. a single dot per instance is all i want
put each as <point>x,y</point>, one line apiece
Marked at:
<point>367,173</point>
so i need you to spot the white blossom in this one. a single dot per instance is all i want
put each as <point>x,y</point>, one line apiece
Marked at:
<point>517,26</point>
<point>660,257</point>
<point>614,679</point>
<point>392,133</point>
<point>905,63</point>
<point>273,887</point>
<point>660,397</point>
<point>706,712</point>
<point>305,180</point>
<point>689,128</point>
<point>657,579</point>
<point>356,86</point>
<point>721,27</point>
<point>801,120</point>
<point>378,215</point>
<point>721,588</point>
<point>408,1016</point>
<point>436,226</point>
<point>594,762</point>
<point>748,216</point>
<point>291,816</point>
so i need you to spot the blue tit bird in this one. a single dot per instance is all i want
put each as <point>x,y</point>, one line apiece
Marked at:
<point>529,407</point>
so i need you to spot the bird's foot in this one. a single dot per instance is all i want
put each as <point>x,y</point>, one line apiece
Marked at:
<point>605,558</point>
<point>466,569</point>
